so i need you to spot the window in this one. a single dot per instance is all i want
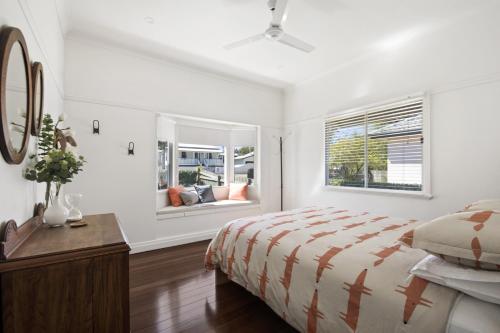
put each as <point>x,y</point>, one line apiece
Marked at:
<point>195,168</point>
<point>380,148</point>
<point>244,170</point>
<point>163,165</point>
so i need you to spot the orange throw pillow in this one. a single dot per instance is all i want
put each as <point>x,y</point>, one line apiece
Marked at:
<point>238,192</point>
<point>174,195</point>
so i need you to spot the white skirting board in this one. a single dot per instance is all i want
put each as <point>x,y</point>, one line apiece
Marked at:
<point>172,241</point>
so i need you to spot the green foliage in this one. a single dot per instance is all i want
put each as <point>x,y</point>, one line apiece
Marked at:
<point>52,164</point>
<point>162,145</point>
<point>46,140</point>
<point>191,177</point>
<point>56,167</point>
<point>187,178</point>
<point>348,155</point>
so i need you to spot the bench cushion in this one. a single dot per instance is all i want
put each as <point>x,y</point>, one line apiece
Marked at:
<point>221,204</point>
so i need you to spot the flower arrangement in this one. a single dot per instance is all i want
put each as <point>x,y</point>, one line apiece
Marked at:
<point>55,163</point>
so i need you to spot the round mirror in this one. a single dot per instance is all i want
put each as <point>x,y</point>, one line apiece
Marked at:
<point>37,75</point>
<point>15,93</point>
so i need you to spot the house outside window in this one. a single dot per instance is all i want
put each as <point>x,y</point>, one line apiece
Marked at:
<point>244,164</point>
<point>377,148</point>
<point>195,167</point>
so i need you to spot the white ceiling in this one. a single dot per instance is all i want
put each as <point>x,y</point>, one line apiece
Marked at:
<point>195,31</point>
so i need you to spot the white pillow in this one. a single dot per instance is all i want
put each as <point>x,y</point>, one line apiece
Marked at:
<point>471,315</point>
<point>481,284</point>
<point>491,204</point>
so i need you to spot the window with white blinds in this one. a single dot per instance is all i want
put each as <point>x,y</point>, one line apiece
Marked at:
<point>380,147</point>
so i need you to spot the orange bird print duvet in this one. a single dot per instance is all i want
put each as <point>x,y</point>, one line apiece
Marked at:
<point>332,270</point>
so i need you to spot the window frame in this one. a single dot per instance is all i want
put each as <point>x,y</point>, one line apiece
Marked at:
<point>426,191</point>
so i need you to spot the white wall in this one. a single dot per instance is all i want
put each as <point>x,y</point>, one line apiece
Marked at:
<point>124,91</point>
<point>459,65</point>
<point>46,45</point>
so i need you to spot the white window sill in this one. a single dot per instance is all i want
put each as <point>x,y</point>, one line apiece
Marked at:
<point>170,212</point>
<point>401,193</point>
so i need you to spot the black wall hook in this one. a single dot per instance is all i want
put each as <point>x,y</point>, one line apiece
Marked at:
<point>96,127</point>
<point>131,148</point>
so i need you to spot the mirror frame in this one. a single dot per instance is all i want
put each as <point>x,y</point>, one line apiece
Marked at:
<point>37,73</point>
<point>9,36</point>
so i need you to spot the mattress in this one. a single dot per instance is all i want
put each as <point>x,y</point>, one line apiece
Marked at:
<point>327,269</point>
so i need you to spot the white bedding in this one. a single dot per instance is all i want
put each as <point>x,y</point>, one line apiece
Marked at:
<point>481,284</point>
<point>471,315</point>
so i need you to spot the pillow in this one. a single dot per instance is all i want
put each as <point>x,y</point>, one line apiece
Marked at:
<point>481,284</point>
<point>471,315</point>
<point>174,195</point>
<point>493,204</point>
<point>205,193</point>
<point>238,191</point>
<point>466,238</point>
<point>189,198</point>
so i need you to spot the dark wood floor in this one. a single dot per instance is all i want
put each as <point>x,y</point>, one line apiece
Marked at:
<point>170,291</point>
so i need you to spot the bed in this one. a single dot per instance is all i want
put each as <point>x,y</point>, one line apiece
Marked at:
<point>327,269</point>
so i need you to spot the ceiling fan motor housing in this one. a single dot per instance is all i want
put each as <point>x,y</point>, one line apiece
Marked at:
<point>272,4</point>
<point>274,33</point>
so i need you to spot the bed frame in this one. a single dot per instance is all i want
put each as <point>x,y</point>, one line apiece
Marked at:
<point>221,277</point>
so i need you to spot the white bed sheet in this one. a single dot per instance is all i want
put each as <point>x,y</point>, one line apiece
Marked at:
<point>471,315</point>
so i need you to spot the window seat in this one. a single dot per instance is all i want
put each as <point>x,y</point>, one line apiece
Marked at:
<point>205,208</point>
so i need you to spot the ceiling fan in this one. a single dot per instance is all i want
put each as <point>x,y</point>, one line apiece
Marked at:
<point>275,31</point>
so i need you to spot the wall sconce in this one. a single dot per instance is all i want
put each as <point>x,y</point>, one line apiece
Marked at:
<point>131,148</point>
<point>95,126</point>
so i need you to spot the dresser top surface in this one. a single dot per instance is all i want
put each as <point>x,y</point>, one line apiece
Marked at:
<point>101,231</point>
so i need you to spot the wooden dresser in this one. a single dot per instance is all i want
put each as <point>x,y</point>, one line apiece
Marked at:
<point>64,279</point>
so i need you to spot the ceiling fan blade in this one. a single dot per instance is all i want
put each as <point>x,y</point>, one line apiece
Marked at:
<point>244,41</point>
<point>279,12</point>
<point>296,43</point>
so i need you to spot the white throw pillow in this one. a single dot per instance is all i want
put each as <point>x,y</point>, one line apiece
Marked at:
<point>481,284</point>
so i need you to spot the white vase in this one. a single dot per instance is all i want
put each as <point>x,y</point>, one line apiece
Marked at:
<point>57,214</point>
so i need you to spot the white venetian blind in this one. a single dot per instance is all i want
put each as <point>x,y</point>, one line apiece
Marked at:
<point>345,150</point>
<point>380,147</point>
